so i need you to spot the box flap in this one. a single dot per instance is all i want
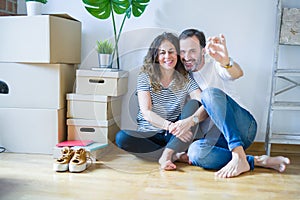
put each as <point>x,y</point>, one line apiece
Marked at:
<point>63,15</point>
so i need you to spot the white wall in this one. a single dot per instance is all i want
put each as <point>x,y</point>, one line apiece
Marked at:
<point>247,24</point>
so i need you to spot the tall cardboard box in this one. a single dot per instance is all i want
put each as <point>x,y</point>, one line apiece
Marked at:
<point>38,56</point>
<point>40,39</point>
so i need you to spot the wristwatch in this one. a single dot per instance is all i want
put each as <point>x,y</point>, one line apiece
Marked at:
<point>195,120</point>
<point>230,64</point>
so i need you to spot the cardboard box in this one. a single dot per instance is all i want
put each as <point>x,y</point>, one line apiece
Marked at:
<point>32,130</point>
<point>95,150</point>
<point>98,131</point>
<point>95,107</point>
<point>101,82</point>
<point>40,39</point>
<point>36,85</point>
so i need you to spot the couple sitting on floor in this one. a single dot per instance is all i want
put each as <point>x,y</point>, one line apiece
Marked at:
<point>211,129</point>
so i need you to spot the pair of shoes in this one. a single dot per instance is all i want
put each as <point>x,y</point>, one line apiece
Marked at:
<point>74,161</point>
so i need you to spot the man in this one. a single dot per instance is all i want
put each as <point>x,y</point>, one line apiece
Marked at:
<point>230,128</point>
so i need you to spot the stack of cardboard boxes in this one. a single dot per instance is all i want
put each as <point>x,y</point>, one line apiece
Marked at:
<point>38,57</point>
<point>94,111</point>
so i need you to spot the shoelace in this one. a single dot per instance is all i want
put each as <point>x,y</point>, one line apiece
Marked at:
<point>87,156</point>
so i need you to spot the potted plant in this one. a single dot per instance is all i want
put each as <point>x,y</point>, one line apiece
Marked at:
<point>103,9</point>
<point>34,7</point>
<point>105,50</point>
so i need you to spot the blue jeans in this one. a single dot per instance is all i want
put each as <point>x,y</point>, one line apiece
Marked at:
<point>228,126</point>
<point>150,145</point>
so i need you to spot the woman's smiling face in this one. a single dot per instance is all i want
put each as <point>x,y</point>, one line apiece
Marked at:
<point>167,55</point>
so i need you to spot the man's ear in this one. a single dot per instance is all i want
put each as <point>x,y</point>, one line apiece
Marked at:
<point>203,51</point>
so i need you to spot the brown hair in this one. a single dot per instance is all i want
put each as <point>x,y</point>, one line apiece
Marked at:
<point>151,65</point>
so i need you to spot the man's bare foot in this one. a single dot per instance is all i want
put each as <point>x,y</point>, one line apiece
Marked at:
<point>278,163</point>
<point>165,160</point>
<point>236,166</point>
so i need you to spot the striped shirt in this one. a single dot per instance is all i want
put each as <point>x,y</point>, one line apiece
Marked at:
<point>167,103</point>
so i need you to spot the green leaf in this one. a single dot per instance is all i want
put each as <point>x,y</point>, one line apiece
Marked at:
<point>138,7</point>
<point>100,14</point>
<point>120,6</point>
<point>102,9</point>
<point>98,8</point>
<point>105,47</point>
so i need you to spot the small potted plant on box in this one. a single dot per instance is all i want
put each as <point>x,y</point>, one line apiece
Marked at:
<point>105,50</point>
<point>34,7</point>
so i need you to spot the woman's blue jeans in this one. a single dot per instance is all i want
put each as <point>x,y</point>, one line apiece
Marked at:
<point>228,126</point>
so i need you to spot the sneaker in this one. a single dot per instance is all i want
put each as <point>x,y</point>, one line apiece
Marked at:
<point>79,161</point>
<point>62,163</point>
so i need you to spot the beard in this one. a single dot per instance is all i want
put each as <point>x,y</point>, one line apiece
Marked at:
<point>192,65</point>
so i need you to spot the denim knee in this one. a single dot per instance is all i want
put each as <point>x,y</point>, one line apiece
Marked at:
<point>207,156</point>
<point>198,152</point>
<point>210,93</point>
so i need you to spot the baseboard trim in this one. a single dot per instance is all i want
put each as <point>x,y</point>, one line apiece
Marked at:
<point>275,148</point>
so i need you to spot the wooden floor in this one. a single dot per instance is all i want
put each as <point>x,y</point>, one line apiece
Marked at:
<point>123,176</point>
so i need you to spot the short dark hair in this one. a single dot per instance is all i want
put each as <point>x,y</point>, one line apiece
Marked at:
<point>194,32</point>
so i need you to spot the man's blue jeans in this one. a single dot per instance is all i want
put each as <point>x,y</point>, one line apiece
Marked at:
<point>228,126</point>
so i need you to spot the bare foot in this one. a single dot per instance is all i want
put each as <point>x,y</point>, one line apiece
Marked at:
<point>181,157</point>
<point>165,160</point>
<point>236,166</point>
<point>278,163</point>
<point>168,165</point>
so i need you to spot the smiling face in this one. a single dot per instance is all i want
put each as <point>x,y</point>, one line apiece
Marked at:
<point>167,55</point>
<point>191,53</point>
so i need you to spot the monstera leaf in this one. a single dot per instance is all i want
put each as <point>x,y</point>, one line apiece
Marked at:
<point>138,7</point>
<point>103,9</point>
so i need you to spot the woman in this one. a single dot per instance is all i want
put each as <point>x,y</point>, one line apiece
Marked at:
<point>162,88</point>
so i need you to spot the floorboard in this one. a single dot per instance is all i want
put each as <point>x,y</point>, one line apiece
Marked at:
<point>118,175</point>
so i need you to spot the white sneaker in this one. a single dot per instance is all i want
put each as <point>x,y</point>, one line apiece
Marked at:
<point>79,161</point>
<point>62,163</point>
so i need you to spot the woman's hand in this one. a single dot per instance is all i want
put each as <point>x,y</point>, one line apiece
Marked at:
<point>181,129</point>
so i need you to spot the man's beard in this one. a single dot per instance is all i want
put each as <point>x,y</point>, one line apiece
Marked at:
<point>195,66</point>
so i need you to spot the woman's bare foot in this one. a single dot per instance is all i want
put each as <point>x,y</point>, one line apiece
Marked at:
<point>165,160</point>
<point>278,163</point>
<point>236,166</point>
<point>167,165</point>
<point>181,157</point>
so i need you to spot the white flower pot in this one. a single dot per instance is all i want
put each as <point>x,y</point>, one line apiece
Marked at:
<point>34,8</point>
<point>105,60</point>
